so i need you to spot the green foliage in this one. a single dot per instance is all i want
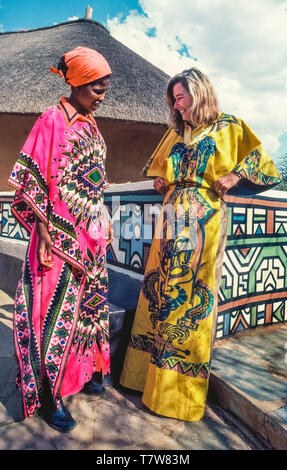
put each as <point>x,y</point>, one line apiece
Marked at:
<point>281,165</point>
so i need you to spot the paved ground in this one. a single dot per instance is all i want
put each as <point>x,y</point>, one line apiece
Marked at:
<point>249,378</point>
<point>115,422</point>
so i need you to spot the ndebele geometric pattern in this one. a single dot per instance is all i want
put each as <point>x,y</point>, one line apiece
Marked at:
<point>253,289</point>
<point>9,227</point>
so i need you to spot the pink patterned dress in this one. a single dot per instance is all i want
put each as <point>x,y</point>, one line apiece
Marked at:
<point>61,314</point>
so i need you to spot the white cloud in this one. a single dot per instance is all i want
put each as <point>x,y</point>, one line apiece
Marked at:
<point>241,45</point>
<point>73,18</point>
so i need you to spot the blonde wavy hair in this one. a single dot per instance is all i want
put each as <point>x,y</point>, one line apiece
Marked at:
<point>204,108</point>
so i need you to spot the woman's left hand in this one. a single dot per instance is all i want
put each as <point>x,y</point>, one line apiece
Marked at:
<point>159,186</point>
<point>224,183</point>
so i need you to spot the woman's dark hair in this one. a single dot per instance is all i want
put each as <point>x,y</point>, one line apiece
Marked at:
<point>63,66</point>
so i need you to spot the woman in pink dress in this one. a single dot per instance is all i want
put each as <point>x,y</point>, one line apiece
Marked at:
<point>61,309</point>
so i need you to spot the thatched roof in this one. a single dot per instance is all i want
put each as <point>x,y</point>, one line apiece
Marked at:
<point>137,87</point>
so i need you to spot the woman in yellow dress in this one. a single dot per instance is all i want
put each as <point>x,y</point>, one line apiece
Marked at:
<point>204,154</point>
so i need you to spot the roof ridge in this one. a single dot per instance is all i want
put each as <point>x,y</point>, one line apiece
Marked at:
<point>79,20</point>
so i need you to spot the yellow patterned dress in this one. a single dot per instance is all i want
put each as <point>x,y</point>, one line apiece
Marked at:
<point>169,354</point>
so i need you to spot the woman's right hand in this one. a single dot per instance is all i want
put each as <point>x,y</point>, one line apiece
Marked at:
<point>44,250</point>
<point>159,186</point>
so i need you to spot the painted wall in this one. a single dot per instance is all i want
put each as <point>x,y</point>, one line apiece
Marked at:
<point>253,290</point>
<point>14,130</point>
<point>129,145</point>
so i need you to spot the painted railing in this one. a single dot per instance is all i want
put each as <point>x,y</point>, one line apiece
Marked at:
<point>253,289</point>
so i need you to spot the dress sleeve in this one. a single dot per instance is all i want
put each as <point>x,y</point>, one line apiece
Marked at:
<point>30,174</point>
<point>239,150</point>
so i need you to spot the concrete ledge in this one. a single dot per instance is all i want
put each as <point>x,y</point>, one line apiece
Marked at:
<point>11,261</point>
<point>117,189</point>
<point>260,416</point>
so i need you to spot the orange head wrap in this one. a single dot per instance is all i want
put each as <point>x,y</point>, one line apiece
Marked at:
<point>82,65</point>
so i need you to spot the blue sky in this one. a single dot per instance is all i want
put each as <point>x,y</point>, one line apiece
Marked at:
<point>30,14</point>
<point>240,44</point>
